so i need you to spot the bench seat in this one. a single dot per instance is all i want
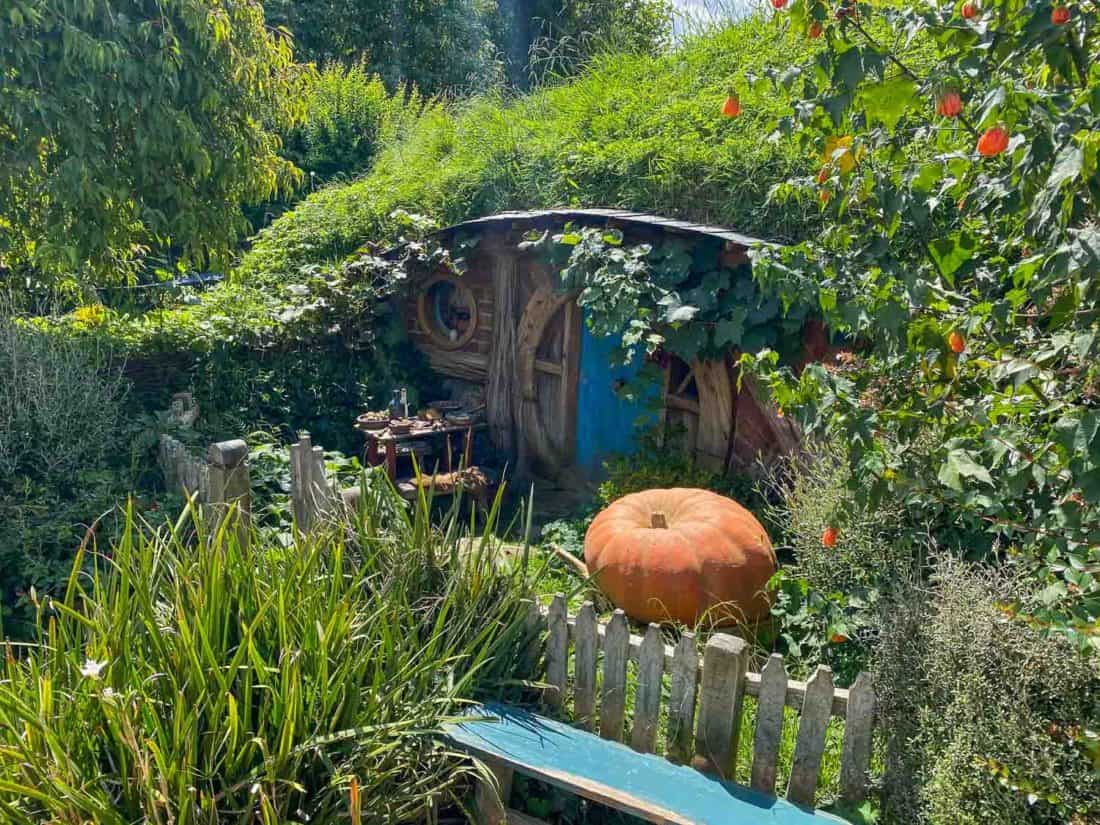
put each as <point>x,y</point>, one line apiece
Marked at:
<point>644,785</point>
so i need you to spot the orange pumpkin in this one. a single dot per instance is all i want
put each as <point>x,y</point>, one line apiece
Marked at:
<point>681,554</point>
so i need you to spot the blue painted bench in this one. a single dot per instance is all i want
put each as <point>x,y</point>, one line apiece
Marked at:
<point>692,783</point>
<point>510,739</point>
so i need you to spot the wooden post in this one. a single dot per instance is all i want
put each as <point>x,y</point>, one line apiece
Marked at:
<point>533,624</point>
<point>681,702</point>
<point>647,703</point>
<point>491,798</point>
<point>229,484</point>
<point>725,662</point>
<point>584,691</point>
<point>557,653</point>
<point>322,496</point>
<point>616,651</point>
<point>817,708</point>
<point>769,723</point>
<point>301,469</point>
<point>855,759</point>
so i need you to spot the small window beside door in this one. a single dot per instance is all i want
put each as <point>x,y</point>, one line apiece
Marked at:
<point>447,312</point>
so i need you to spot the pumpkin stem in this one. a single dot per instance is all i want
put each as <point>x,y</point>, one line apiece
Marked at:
<point>658,520</point>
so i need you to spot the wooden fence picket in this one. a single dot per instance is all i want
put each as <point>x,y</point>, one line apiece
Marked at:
<point>681,702</point>
<point>616,651</point>
<point>855,759</point>
<point>647,701</point>
<point>557,652</point>
<point>725,660</point>
<point>584,690</point>
<point>810,744</point>
<point>769,723</point>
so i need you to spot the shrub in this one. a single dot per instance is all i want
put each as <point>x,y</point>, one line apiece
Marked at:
<point>349,116</point>
<point>989,718</point>
<point>217,682</point>
<point>62,458</point>
<point>660,462</point>
<point>825,598</point>
<point>809,493</point>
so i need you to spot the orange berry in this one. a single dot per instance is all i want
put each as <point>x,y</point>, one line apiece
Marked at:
<point>993,141</point>
<point>829,536</point>
<point>969,10</point>
<point>779,4</point>
<point>816,30</point>
<point>732,106</point>
<point>838,638</point>
<point>1060,15</point>
<point>950,104</point>
<point>956,341</point>
<point>824,195</point>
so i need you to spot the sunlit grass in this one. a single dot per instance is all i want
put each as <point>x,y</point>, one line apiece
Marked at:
<point>188,677</point>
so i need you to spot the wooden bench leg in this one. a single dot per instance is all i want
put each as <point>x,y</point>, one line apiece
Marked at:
<point>491,799</point>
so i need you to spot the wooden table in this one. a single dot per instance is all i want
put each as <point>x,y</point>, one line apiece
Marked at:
<point>384,443</point>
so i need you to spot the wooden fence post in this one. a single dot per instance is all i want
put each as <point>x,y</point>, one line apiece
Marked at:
<point>681,700</point>
<point>855,760</point>
<point>301,469</point>
<point>557,653</point>
<point>313,498</point>
<point>229,484</point>
<point>725,663</point>
<point>616,652</point>
<point>647,702</point>
<point>584,668</point>
<point>769,723</point>
<point>810,744</point>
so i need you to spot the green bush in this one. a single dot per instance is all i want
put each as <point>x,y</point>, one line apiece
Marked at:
<point>310,353</point>
<point>825,598</point>
<point>63,459</point>
<point>660,463</point>
<point>631,131</point>
<point>809,493</point>
<point>213,682</point>
<point>989,718</point>
<point>349,116</point>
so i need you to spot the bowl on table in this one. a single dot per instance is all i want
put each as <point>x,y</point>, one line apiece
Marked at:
<point>373,421</point>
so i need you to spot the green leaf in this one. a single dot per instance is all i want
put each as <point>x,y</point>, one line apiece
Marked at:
<point>887,101</point>
<point>728,332</point>
<point>961,464</point>
<point>849,70</point>
<point>952,252</point>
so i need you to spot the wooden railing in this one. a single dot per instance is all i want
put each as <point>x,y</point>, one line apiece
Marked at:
<point>706,701</point>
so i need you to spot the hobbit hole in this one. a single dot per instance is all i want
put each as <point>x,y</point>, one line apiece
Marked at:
<point>511,339</point>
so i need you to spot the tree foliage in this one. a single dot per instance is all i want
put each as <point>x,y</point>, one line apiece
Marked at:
<point>127,124</point>
<point>989,436</point>
<point>468,45</point>
<point>435,45</point>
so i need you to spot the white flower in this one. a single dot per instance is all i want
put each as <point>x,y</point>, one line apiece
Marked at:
<point>92,668</point>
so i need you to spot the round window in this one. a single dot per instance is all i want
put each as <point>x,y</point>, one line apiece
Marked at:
<point>447,311</point>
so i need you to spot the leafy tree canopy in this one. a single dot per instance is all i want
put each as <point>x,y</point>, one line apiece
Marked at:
<point>959,194</point>
<point>129,123</point>
<point>467,45</point>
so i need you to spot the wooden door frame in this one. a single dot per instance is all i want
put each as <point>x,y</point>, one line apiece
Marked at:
<point>541,308</point>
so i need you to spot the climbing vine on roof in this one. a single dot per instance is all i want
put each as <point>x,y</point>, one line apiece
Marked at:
<point>673,294</point>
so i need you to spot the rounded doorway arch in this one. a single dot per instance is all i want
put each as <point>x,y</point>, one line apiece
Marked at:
<point>549,337</point>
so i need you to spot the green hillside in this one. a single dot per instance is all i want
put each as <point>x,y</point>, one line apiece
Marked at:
<point>633,131</point>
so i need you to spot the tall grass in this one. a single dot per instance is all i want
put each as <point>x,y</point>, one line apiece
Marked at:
<point>193,678</point>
